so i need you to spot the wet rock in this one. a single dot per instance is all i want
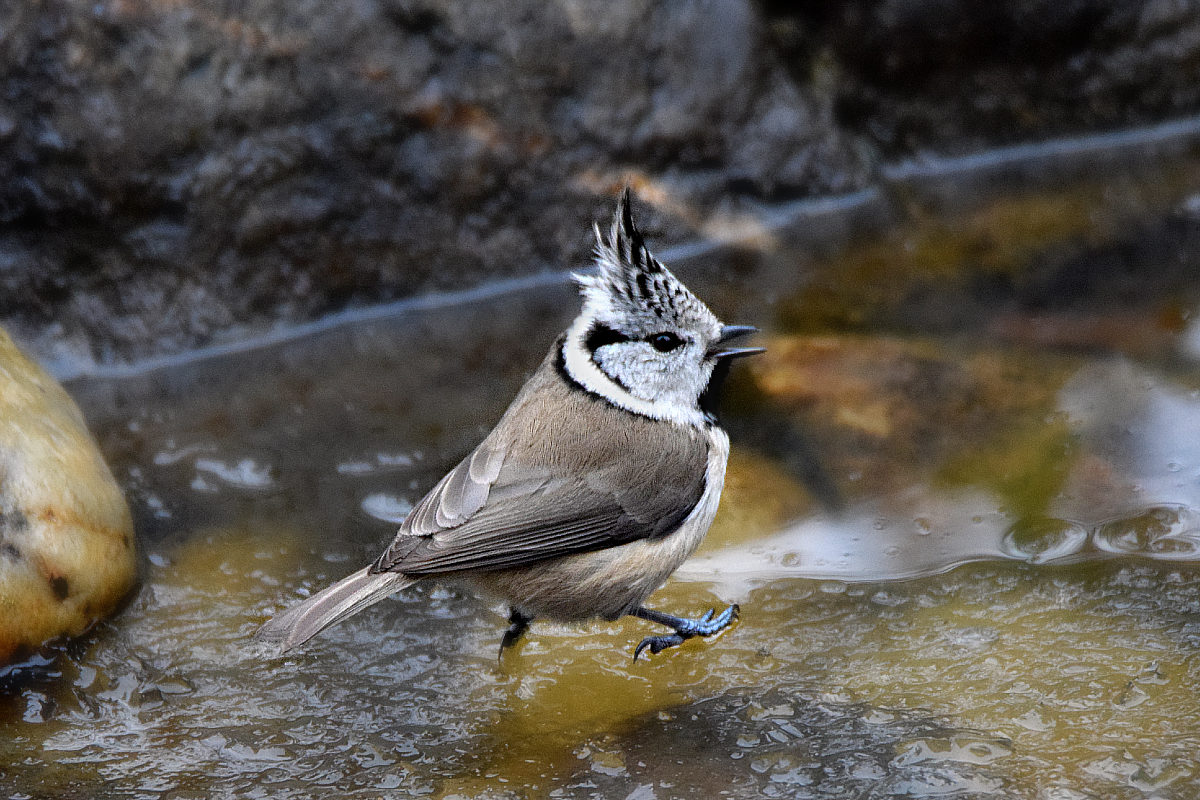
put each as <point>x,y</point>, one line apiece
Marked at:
<point>952,75</point>
<point>173,175</point>
<point>170,173</point>
<point>67,550</point>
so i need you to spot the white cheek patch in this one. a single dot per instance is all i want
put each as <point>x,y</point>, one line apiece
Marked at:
<point>584,371</point>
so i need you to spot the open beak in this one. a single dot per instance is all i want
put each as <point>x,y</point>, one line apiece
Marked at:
<point>717,350</point>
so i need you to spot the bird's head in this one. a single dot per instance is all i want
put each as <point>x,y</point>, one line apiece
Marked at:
<point>641,333</point>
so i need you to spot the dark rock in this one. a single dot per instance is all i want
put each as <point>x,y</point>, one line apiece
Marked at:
<point>173,175</point>
<point>954,76</point>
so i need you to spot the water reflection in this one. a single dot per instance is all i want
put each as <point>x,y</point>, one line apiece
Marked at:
<point>1130,487</point>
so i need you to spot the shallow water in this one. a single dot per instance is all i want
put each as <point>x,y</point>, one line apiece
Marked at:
<point>962,521</point>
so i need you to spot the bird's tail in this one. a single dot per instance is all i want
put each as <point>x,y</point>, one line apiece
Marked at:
<point>343,599</point>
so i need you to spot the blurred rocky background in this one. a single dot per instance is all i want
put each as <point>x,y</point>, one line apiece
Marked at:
<point>176,174</point>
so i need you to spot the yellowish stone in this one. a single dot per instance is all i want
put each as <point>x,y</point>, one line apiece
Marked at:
<point>760,497</point>
<point>67,550</point>
<point>897,412</point>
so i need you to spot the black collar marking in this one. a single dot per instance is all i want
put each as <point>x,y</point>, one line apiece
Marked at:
<point>560,365</point>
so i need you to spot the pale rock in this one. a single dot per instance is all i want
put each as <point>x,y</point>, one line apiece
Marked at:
<point>67,549</point>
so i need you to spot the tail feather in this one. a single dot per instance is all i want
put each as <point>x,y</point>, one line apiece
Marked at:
<point>341,600</point>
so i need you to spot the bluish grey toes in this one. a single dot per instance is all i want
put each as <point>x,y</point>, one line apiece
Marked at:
<point>684,628</point>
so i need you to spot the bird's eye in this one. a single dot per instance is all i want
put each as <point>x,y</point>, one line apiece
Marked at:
<point>664,342</point>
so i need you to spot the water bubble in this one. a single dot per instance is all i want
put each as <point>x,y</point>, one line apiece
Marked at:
<point>1164,532</point>
<point>1034,721</point>
<point>156,506</point>
<point>397,459</point>
<point>888,599</point>
<point>878,716</point>
<point>1190,206</point>
<point>199,484</point>
<point>172,454</point>
<point>379,462</point>
<point>1063,793</point>
<point>1041,539</point>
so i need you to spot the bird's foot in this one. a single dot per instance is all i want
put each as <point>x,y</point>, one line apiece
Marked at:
<point>711,623</point>
<point>518,623</point>
<point>658,643</point>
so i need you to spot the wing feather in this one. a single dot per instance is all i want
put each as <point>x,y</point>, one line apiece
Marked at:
<point>514,501</point>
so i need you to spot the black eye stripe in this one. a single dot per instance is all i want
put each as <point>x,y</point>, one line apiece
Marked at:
<point>600,335</point>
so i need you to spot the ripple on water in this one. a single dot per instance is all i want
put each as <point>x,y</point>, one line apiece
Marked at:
<point>1166,532</point>
<point>791,743</point>
<point>817,547</point>
<point>1043,539</point>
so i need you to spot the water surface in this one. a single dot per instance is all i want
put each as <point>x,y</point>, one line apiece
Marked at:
<point>962,522</point>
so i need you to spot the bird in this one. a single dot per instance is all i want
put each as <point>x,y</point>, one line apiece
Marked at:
<point>600,479</point>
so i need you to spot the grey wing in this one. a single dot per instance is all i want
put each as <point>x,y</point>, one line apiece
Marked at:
<point>492,512</point>
<point>461,493</point>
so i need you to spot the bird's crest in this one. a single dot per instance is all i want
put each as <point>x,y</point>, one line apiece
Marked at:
<point>629,281</point>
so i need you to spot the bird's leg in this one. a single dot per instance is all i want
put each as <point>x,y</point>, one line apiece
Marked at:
<point>684,628</point>
<point>518,623</point>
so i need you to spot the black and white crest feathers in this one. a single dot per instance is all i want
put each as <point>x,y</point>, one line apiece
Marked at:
<point>631,283</point>
<point>629,302</point>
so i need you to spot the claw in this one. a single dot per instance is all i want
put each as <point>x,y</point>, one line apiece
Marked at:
<point>707,625</point>
<point>657,644</point>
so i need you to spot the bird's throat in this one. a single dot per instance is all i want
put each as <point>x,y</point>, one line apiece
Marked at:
<point>710,399</point>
